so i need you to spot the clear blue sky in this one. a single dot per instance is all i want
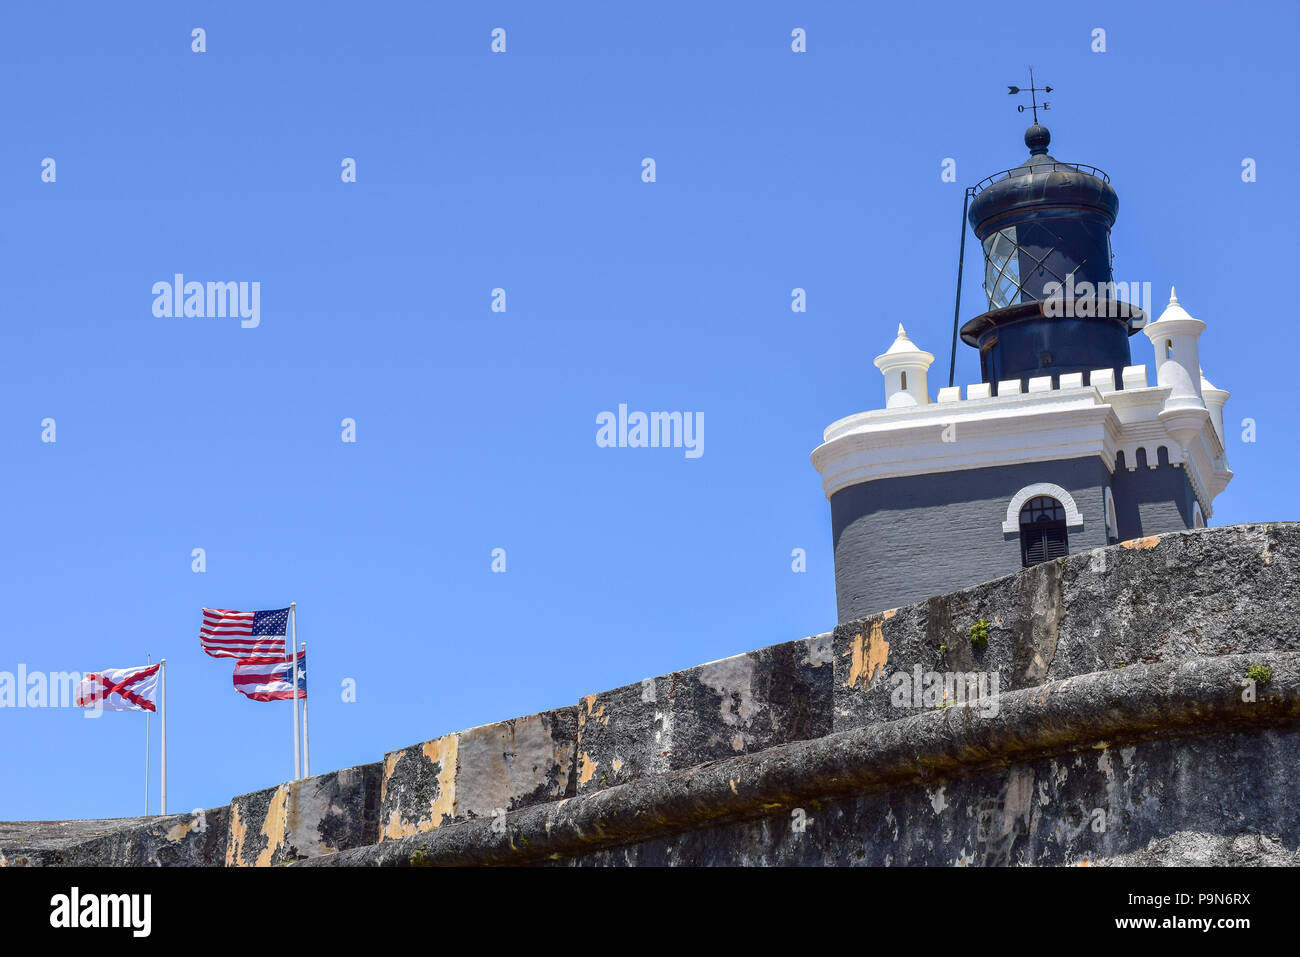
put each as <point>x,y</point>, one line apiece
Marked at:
<point>475,429</point>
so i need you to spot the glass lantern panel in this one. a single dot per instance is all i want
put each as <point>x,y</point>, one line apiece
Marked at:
<point>1001,268</point>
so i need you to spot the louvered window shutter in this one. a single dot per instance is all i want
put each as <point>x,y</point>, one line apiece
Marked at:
<point>1056,543</point>
<point>1042,531</point>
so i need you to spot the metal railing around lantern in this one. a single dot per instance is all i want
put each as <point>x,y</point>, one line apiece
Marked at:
<point>1040,167</point>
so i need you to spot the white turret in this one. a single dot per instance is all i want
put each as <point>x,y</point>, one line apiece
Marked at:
<point>1178,369</point>
<point>904,367</point>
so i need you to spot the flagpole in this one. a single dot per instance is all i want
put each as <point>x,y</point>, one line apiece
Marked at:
<point>149,660</point>
<point>293,625</point>
<point>306,748</point>
<point>162,668</point>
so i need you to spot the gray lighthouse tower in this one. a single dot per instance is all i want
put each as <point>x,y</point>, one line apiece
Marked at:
<point>1065,444</point>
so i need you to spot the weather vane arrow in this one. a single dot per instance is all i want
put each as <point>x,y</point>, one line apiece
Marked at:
<point>1033,92</point>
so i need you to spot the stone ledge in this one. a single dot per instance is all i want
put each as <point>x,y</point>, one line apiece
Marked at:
<point>315,816</point>
<point>43,843</point>
<point>1175,597</point>
<point>738,705</point>
<point>176,840</point>
<point>478,773</point>
<point>1163,700</point>
<point>1222,798</point>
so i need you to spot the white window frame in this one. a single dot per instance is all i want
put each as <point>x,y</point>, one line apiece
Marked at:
<point>1073,517</point>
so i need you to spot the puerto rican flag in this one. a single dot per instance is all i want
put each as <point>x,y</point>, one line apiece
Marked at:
<point>120,689</point>
<point>270,679</point>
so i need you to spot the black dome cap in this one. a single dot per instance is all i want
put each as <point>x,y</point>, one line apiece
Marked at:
<point>1042,185</point>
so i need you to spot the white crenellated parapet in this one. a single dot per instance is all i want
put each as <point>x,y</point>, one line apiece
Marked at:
<point>1102,380</point>
<point>1134,377</point>
<point>1108,418</point>
<point>904,367</point>
<point>1118,415</point>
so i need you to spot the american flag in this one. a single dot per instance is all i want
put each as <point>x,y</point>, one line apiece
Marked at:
<point>243,634</point>
<point>270,679</point>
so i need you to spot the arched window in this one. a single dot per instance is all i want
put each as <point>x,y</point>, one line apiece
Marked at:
<point>904,376</point>
<point>1169,348</point>
<point>1042,531</point>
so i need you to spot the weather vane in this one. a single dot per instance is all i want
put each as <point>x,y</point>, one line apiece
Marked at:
<point>1033,92</point>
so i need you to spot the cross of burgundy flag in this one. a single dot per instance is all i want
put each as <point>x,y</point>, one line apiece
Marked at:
<point>120,689</point>
<point>270,679</point>
<point>243,634</point>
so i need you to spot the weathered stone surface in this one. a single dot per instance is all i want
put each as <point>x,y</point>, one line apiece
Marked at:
<point>473,773</point>
<point>1197,849</point>
<point>876,655</point>
<point>316,816</point>
<point>1179,596</point>
<point>733,706</point>
<point>1210,591</point>
<point>177,840</point>
<point>1229,799</point>
<point>1176,707</point>
<point>41,843</point>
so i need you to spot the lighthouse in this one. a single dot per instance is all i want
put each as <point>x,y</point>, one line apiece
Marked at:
<point>1066,444</point>
<point>1054,307</point>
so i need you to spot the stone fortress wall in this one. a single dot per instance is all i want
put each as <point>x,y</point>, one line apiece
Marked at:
<point>1123,731</point>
